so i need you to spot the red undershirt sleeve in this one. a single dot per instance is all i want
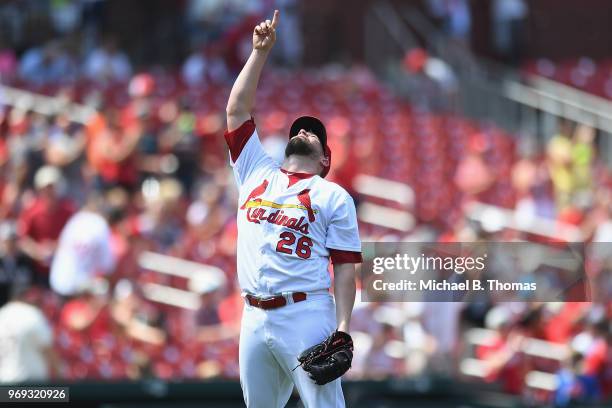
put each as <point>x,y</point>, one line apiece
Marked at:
<point>238,138</point>
<point>340,257</point>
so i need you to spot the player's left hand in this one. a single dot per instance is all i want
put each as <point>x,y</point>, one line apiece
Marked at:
<point>328,360</point>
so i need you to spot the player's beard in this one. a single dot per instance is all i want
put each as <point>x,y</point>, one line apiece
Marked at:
<point>299,146</point>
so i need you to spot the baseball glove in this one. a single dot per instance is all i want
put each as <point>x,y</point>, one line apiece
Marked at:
<point>328,360</point>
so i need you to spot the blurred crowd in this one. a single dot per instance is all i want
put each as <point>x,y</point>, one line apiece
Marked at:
<point>83,202</point>
<point>63,42</point>
<point>587,74</point>
<point>508,22</point>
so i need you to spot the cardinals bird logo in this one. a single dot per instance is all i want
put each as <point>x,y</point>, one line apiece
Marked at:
<point>257,191</point>
<point>303,197</point>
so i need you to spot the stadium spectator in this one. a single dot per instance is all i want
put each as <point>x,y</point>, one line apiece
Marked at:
<point>568,384</point>
<point>112,151</point>
<point>289,47</point>
<point>80,257</point>
<point>27,340</point>
<point>9,194</point>
<point>42,221</point>
<point>583,155</point>
<point>87,311</point>
<point>204,19</point>
<point>431,82</point>
<point>8,62</point>
<point>15,266</point>
<point>137,319</point>
<point>65,143</point>
<point>47,64</point>
<point>441,321</point>
<point>64,148</point>
<point>565,321</point>
<point>163,221</point>
<point>25,142</point>
<point>210,288</point>
<point>455,17</point>
<point>66,15</point>
<point>508,21</point>
<point>180,143</point>
<point>124,239</point>
<point>205,215</point>
<point>559,162</point>
<point>502,356</point>
<point>381,361</point>
<point>593,345</point>
<point>205,66</point>
<point>364,318</point>
<point>473,175</point>
<point>421,349</point>
<point>107,63</point>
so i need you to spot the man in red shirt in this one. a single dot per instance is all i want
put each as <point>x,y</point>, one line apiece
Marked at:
<point>41,223</point>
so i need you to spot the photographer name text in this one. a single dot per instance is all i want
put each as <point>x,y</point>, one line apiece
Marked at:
<point>445,285</point>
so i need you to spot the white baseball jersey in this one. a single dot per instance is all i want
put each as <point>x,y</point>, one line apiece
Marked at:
<point>289,224</point>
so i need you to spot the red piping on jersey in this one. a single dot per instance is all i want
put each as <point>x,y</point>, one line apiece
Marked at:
<point>340,257</point>
<point>257,191</point>
<point>238,138</point>
<point>304,198</point>
<point>295,177</point>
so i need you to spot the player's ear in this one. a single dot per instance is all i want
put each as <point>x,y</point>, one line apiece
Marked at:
<point>324,161</point>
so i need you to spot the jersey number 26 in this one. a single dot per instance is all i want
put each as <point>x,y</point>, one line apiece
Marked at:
<point>302,249</point>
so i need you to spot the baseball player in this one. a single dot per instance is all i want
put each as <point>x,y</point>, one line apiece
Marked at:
<point>291,223</point>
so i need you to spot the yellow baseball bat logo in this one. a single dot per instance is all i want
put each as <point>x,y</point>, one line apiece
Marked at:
<point>271,204</point>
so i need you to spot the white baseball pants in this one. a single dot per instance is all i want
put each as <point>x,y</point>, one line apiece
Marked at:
<point>270,343</point>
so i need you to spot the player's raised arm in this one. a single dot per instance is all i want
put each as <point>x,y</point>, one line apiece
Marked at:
<point>242,97</point>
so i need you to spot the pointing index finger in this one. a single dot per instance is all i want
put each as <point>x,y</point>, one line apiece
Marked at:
<point>275,18</point>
